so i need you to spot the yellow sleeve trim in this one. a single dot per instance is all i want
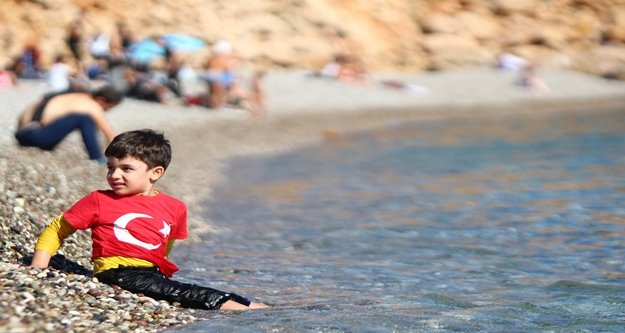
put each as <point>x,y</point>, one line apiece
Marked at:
<point>53,235</point>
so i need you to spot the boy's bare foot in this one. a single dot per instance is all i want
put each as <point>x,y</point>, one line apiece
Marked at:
<point>234,306</point>
<point>256,305</point>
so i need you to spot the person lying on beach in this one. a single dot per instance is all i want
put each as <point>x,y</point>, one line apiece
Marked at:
<point>343,68</point>
<point>141,85</point>
<point>134,226</point>
<point>529,79</point>
<point>48,121</point>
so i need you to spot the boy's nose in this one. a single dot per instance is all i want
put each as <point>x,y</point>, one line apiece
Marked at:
<point>115,173</point>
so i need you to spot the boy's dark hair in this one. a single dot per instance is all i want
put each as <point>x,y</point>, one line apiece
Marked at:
<point>145,145</point>
<point>109,94</point>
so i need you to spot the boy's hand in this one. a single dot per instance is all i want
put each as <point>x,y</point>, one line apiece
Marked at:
<point>41,259</point>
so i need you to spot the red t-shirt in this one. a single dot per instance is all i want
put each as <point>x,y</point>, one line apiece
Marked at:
<point>131,226</point>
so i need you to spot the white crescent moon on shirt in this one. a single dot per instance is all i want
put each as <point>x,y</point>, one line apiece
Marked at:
<point>123,235</point>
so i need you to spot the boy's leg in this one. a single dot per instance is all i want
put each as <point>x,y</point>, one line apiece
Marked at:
<point>152,283</point>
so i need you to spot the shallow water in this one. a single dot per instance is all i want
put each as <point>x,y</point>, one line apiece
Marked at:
<point>512,224</point>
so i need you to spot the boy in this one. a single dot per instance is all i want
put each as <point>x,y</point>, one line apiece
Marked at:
<point>134,226</point>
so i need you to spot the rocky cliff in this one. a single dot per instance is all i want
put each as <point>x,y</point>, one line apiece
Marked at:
<point>387,35</point>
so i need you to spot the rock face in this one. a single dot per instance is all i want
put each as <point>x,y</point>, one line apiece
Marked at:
<point>386,35</point>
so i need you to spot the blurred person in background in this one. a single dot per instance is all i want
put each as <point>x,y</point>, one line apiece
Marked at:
<point>48,121</point>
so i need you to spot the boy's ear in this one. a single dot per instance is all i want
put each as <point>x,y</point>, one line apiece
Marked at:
<point>157,172</point>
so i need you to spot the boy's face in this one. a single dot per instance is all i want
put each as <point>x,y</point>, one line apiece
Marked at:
<point>130,176</point>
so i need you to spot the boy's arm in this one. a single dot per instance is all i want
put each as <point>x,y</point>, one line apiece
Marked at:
<point>50,240</point>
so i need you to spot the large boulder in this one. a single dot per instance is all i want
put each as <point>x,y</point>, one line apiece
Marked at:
<point>615,32</point>
<point>449,51</point>
<point>604,61</point>
<point>480,25</point>
<point>510,7</point>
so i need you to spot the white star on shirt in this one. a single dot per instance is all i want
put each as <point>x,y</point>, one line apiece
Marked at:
<point>166,229</point>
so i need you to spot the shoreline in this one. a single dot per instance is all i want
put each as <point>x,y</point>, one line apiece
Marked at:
<point>36,185</point>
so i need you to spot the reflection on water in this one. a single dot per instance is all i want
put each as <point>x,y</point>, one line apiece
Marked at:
<point>493,225</point>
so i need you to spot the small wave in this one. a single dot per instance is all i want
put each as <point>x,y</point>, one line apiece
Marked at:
<point>566,285</point>
<point>447,301</point>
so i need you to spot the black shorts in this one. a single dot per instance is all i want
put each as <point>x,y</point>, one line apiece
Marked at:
<point>152,283</point>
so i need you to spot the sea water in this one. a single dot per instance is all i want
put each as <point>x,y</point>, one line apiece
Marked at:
<point>506,224</point>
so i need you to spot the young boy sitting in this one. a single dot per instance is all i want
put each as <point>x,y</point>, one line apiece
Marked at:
<point>134,227</point>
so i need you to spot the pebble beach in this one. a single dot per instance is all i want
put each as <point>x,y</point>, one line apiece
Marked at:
<point>36,186</point>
